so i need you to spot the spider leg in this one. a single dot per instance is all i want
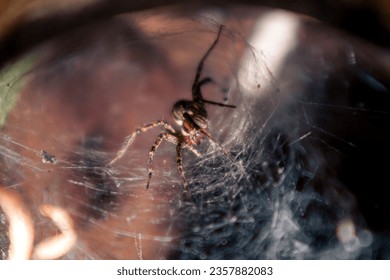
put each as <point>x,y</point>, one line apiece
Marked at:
<point>218,104</point>
<point>193,150</point>
<point>129,140</point>
<point>198,89</point>
<point>205,81</point>
<point>179,161</point>
<point>196,86</point>
<point>205,133</point>
<point>170,138</point>
<point>196,93</point>
<point>211,138</point>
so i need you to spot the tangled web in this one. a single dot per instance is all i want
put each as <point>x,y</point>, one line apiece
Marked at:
<point>277,194</point>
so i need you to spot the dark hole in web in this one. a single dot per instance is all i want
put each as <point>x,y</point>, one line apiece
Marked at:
<point>100,194</point>
<point>230,214</point>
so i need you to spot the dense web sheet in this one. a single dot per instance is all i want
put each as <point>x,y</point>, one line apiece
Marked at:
<point>282,192</point>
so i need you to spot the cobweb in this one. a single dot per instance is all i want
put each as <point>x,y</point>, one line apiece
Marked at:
<point>280,193</point>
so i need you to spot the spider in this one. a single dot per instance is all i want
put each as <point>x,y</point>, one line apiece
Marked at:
<point>190,115</point>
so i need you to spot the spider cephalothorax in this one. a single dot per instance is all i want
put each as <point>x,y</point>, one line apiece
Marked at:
<point>190,115</point>
<point>192,118</point>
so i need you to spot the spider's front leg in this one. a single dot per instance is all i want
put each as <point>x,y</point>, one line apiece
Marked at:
<point>196,94</point>
<point>205,133</point>
<point>172,138</point>
<point>179,161</point>
<point>129,140</point>
<point>167,136</point>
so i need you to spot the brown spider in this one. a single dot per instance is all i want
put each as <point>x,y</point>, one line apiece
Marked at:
<point>190,115</point>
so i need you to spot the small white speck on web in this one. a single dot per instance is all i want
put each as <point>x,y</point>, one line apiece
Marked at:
<point>47,158</point>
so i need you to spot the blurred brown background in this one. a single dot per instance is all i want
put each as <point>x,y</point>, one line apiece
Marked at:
<point>368,19</point>
<point>24,24</point>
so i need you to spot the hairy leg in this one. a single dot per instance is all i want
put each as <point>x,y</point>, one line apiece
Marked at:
<point>129,140</point>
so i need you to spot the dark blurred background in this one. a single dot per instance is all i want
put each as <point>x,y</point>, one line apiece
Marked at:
<point>25,24</point>
<point>367,19</point>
